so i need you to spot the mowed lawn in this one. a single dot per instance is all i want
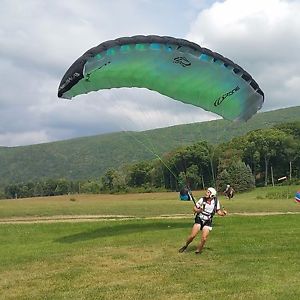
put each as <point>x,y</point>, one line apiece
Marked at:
<point>277,199</point>
<point>246,257</point>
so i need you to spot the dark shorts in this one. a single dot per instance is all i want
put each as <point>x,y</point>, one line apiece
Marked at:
<point>202,222</point>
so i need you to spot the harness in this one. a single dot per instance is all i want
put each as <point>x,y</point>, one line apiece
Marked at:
<point>215,207</point>
<point>210,216</point>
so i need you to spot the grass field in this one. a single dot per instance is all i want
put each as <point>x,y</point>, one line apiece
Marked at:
<point>246,256</point>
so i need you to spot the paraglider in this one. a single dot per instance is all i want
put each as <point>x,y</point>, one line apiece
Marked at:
<point>177,68</point>
<point>297,197</point>
<point>184,194</point>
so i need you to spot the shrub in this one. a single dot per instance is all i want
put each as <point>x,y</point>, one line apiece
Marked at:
<point>238,175</point>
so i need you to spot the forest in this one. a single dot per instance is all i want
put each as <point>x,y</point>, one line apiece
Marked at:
<point>258,158</point>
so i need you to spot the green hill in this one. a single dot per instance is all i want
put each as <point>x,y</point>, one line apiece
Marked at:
<point>90,157</point>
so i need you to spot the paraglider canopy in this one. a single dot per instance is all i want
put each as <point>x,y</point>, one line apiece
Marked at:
<point>177,68</point>
<point>297,197</point>
<point>184,194</point>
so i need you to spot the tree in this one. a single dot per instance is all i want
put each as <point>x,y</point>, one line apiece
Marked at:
<point>118,182</point>
<point>12,191</point>
<point>49,186</point>
<point>182,159</point>
<point>39,189</point>
<point>222,180</point>
<point>238,175</point>
<point>157,174</point>
<point>62,187</point>
<point>192,177</point>
<point>107,179</point>
<point>291,152</point>
<point>90,187</point>
<point>241,176</point>
<point>139,174</point>
<point>268,143</point>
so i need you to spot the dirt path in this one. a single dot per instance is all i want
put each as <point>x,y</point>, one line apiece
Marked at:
<point>94,218</point>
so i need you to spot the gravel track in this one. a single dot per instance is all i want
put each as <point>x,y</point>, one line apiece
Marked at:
<point>94,218</point>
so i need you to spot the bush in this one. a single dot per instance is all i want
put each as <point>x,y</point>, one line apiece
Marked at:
<point>238,175</point>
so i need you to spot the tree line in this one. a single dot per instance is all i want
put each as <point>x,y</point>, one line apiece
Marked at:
<point>258,158</point>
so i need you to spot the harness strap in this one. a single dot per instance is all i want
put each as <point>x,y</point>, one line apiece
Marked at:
<point>205,213</point>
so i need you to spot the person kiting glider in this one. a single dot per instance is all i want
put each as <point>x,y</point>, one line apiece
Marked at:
<point>204,210</point>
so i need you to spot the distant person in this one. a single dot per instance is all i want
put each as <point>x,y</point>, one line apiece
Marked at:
<point>184,194</point>
<point>229,192</point>
<point>204,209</point>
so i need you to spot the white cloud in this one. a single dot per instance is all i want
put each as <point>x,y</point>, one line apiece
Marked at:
<point>21,138</point>
<point>39,40</point>
<point>262,37</point>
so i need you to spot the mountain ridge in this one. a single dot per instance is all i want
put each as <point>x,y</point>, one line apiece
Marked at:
<point>89,157</point>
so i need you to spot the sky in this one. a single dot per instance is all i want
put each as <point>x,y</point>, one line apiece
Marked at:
<point>40,39</point>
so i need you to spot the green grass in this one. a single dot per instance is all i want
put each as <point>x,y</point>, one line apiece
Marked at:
<point>246,257</point>
<point>147,205</point>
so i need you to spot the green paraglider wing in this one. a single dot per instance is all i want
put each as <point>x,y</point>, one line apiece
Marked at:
<point>177,68</point>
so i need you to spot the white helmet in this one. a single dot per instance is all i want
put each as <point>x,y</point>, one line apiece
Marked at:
<point>213,192</point>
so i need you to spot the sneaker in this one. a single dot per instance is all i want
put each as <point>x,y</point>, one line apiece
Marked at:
<point>182,249</point>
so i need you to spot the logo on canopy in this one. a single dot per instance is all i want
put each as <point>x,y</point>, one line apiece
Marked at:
<point>223,97</point>
<point>182,61</point>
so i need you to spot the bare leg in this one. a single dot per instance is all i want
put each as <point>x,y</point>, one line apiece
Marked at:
<point>205,233</point>
<point>194,232</point>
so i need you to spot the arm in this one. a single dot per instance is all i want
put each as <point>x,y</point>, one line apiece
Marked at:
<point>197,210</point>
<point>222,213</point>
<point>198,206</point>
